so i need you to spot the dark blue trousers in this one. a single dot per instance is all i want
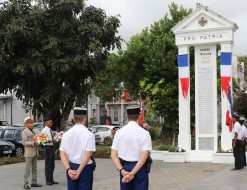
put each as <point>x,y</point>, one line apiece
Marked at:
<point>49,163</point>
<point>238,154</point>
<point>244,154</point>
<point>85,180</point>
<point>140,181</point>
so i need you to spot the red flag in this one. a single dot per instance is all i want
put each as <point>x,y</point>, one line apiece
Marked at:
<point>107,122</point>
<point>185,86</point>
<point>225,80</point>
<point>142,111</point>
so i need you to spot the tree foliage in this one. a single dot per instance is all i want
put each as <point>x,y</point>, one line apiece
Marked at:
<point>149,66</point>
<point>49,50</point>
<point>240,98</point>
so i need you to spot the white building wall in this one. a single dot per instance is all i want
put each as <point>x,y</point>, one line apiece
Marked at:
<point>18,110</point>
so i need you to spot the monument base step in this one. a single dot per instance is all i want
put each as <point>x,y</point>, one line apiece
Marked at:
<point>199,156</point>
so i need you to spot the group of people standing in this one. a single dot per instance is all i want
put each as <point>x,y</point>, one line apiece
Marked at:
<point>129,152</point>
<point>31,153</point>
<point>239,138</point>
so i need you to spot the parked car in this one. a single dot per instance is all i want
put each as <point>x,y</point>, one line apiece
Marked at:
<point>104,133</point>
<point>38,125</point>
<point>18,125</point>
<point>6,148</point>
<point>13,135</point>
<point>3,123</point>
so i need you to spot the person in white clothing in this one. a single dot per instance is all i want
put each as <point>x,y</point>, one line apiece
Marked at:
<point>76,149</point>
<point>49,151</point>
<point>244,132</point>
<point>237,143</point>
<point>130,150</point>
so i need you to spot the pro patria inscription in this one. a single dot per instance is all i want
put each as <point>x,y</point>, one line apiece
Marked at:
<point>203,37</point>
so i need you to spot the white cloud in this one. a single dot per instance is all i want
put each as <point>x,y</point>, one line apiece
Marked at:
<point>137,14</point>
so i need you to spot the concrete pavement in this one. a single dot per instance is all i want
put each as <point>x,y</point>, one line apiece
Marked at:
<point>177,176</point>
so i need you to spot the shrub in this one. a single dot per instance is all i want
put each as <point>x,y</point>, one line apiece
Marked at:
<point>154,132</point>
<point>102,152</point>
<point>166,148</point>
<point>11,160</point>
<point>92,120</point>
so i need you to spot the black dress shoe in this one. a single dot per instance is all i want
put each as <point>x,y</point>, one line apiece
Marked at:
<point>26,186</point>
<point>49,183</point>
<point>54,182</point>
<point>36,185</point>
<point>234,169</point>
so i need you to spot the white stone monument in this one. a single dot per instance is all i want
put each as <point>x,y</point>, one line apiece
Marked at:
<point>203,29</point>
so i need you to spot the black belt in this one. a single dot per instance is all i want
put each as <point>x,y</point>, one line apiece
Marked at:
<point>48,145</point>
<point>127,162</point>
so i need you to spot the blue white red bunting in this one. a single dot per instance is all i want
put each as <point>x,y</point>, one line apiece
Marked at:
<point>225,70</point>
<point>184,73</point>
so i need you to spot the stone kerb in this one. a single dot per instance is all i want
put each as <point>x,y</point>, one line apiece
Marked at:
<point>174,157</point>
<point>192,156</point>
<point>157,154</point>
<point>223,158</point>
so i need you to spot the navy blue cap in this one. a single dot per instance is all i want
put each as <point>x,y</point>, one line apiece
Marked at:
<point>133,110</point>
<point>47,118</point>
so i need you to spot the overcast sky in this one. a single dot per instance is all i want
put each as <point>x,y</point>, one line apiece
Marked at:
<point>137,14</point>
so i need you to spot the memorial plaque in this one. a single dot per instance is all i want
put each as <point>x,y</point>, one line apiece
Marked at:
<point>206,101</point>
<point>206,143</point>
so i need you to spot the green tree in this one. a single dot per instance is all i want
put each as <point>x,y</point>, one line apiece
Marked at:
<point>51,50</point>
<point>240,98</point>
<point>149,66</point>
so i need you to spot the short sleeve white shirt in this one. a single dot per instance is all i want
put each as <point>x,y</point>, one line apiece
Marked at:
<point>130,141</point>
<point>238,129</point>
<point>244,131</point>
<point>47,131</point>
<point>76,141</point>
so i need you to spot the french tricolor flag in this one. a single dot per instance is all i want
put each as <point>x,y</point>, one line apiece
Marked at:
<point>225,70</point>
<point>184,73</point>
<point>229,111</point>
<point>140,103</point>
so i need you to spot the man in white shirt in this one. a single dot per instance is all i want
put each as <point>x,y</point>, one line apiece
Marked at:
<point>49,151</point>
<point>130,150</point>
<point>237,143</point>
<point>244,132</point>
<point>76,149</point>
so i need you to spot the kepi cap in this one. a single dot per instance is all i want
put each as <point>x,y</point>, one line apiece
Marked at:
<point>47,118</point>
<point>27,118</point>
<point>235,116</point>
<point>133,110</point>
<point>80,111</point>
<point>242,119</point>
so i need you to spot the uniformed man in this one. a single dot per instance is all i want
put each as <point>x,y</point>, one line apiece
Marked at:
<point>76,149</point>
<point>49,152</point>
<point>237,143</point>
<point>30,153</point>
<point>244,132</point>
<point>130,150</point>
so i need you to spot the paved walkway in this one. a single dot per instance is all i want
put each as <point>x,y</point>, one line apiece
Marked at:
<point>172,176</point>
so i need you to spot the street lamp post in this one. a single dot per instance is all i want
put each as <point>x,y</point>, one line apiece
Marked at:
<point>121,88</point>
<point>11,108</point>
